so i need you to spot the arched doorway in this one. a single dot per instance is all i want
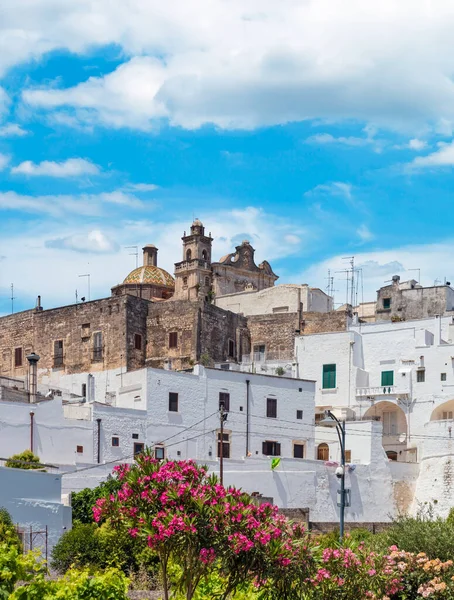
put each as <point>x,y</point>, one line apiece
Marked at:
<point>323,452</point>
<point>444,412</point>
<point>394,424</point>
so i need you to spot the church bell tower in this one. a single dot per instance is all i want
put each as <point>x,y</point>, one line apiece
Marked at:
<point>193,275</point>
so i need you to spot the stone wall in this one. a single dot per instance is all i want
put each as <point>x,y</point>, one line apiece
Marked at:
<point>277,332</point>
<point>316,322</point>
<point>116,318</point>
<point>203,332</point>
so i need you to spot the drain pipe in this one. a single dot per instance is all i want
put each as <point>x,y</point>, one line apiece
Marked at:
<point>99,440</point>
<point>32,426</point>
<point>247,417</point>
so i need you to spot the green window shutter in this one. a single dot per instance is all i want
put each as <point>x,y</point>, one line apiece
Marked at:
<point>329,376</point>
<point>387,377</point>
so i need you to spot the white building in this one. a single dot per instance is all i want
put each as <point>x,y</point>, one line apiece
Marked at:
<point>284,298</point>
<point>34,501</point>
<point>401,375</point>
<point>178,414</point>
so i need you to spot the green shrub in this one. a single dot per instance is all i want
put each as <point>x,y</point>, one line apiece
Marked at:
<point>423,533</point>
<point>24,460</point>
<point>87,545</point>
<point>80,547</point>
<point>82,502</point>
<point>8,532</point>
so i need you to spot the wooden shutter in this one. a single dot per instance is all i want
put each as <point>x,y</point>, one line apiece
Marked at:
<point>329,376</point>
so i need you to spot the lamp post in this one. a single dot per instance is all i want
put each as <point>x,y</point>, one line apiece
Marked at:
<point>222,419</point>
<point>331,420</point>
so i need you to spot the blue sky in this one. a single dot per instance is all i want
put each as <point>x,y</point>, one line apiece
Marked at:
<point>315,130</point>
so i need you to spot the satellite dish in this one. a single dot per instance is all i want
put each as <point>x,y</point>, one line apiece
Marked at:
<point>402,438</point>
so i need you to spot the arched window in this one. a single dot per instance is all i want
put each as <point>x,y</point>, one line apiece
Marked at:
<point>323,452</point>
<point>185,281</point>
<point>204,255</point>
<point>188,255</point>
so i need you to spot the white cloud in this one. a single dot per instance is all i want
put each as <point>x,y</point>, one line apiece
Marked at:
<point>12,130</point>
<point>416,144</point>
<point>4,161</point>
<point>335,188</point>
<point>94,241</point>
<point>443,157</point>
<point>141,187</point>
<point>434,261</point>
<point>72,167</point>
<point>32,252</point>
<point>327,138</point>
<point>364,233</point>
<point>62,205</point>
<point>245,65</point>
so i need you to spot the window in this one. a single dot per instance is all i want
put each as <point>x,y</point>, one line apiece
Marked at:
<point>390,423</point>
<point>18,357</point>
<point>115,441</point>
<point>204,257</point>
<point>97,346</point>
<point>137,341</point>
<point>79,449</point>
<point>185,282</point>
<point>319,417</point>
<point>271,448</point>
<point>188,255</point>
<point>259,352</point>
<point>58,353</point>
<point>299,414</point>
<point>138,448</point>
<point>207,281</point>
<point>443,376</point>
<point>329,377</point>
<point>135,436</point>
<point>348,456</point>
<point>225,445</point>
<point>231,348</point>
<point>420,375</point>
<point>387,377</point>
<point>386,303</point>
<point>84,390</point>
<point>159,453</point>
<point>271,408</point>
<point>173,339</point>
<point>447,415</point>
<point>224,398</point>
<point>298,450</point>
<point>173,402</point>
<point>323,452</point>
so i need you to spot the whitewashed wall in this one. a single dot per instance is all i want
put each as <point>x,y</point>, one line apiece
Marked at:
<point>33,499</point>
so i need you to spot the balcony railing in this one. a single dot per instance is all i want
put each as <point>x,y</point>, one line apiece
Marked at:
<point>195,262</point>
<point>382,390</point>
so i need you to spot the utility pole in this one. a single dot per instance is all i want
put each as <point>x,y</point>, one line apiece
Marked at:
<point>87,275</point>
<point>12,298</point>
<point>222,419</point>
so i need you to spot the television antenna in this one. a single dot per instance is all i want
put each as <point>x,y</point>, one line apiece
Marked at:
<point>87,275</point>
<point>135,253</point>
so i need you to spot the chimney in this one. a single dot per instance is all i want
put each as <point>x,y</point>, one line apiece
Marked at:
<point>437,330</point>
<point>38,304</point>
<point>396,280</point>
<point>150,256</point>
<point>33,359</point>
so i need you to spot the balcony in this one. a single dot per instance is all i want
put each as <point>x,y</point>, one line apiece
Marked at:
<point>381,390</point>
<point>191,264</point>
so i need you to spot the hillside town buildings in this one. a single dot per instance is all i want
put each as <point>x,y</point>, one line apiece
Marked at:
<point>151,364</point>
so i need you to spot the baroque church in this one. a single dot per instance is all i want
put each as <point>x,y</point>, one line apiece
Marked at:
<point>154,319</point>
<point>196,276</point>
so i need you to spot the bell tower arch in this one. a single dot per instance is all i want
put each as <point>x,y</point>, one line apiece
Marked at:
<point>193,275</point>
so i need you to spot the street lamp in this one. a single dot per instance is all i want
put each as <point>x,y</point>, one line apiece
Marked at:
<point>331,420</point>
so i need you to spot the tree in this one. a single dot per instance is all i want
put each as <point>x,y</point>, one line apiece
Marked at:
<point>82,502</point>
<point>188,519</point>
<point>24,460</point>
